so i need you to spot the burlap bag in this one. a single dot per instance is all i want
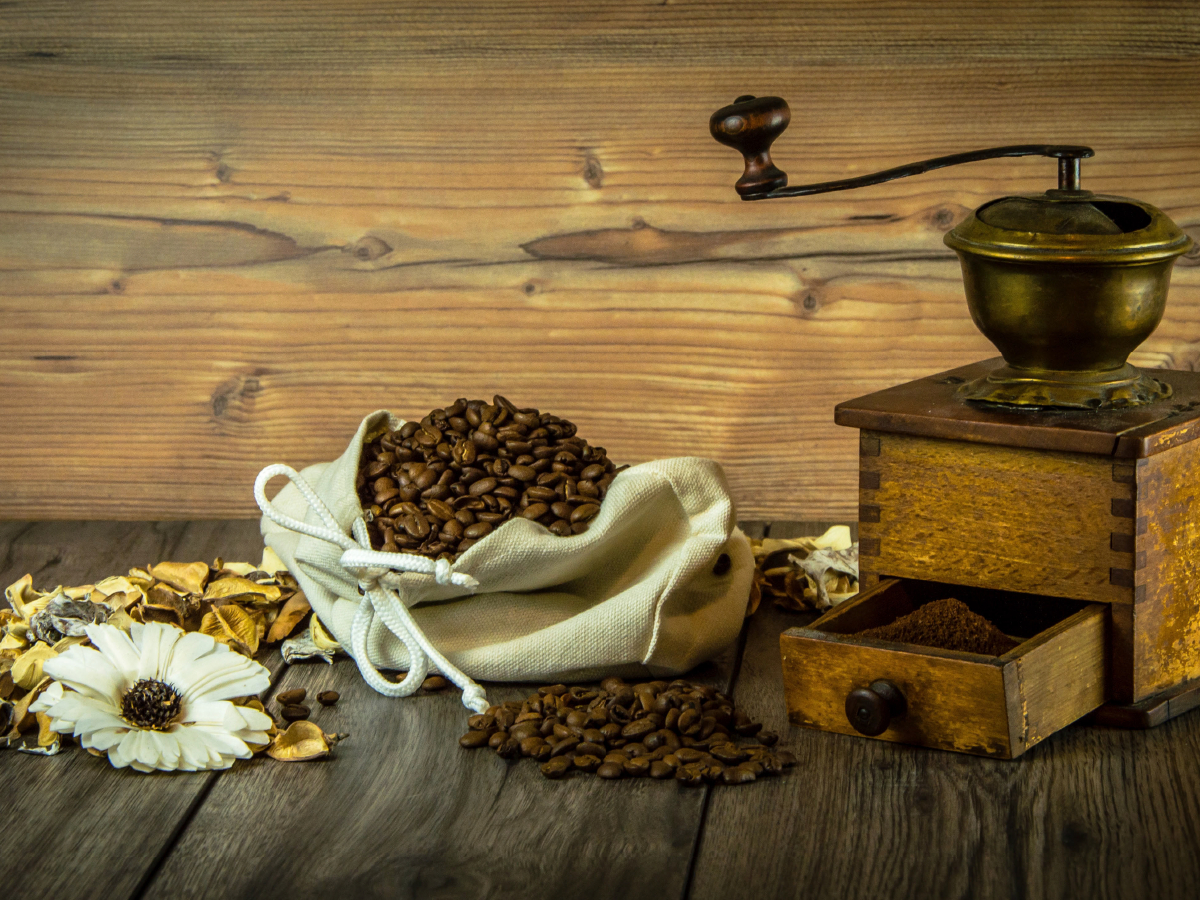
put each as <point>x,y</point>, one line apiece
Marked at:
<point>644,591</point>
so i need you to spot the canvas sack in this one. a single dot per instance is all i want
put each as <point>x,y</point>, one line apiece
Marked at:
<point>643,591</point>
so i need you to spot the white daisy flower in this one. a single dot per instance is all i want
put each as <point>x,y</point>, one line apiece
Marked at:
<point>156,700</point>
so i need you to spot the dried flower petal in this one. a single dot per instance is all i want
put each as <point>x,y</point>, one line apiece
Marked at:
<point>165,605</point>
<point>234,585</point>
<point>187,577</point>
<point>302,742</point>
<point>233,626</point>
<point>27,670</point>
<point>296,608</point>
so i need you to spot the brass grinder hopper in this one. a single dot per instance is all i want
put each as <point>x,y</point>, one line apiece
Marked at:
<point>1066,284</point>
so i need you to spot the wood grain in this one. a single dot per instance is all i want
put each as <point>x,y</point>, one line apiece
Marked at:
<point>1166,618</point>
<point>1090,812</point>
<point>1002,517</point>
<point>229,230</point>
<point>76,827</point>
<point>404,811</point>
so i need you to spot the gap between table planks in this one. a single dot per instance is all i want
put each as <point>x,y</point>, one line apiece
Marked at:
<point>72,825</point>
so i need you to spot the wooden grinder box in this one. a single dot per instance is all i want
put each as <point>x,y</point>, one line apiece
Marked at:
<point>1078,532</point>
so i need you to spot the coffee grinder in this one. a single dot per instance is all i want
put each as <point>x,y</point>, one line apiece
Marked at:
<point>1053,489</point>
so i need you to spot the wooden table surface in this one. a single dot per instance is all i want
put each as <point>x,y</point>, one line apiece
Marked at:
<point>401,811</point>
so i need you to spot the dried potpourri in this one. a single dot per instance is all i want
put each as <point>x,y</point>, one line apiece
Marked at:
<point>805,574</point>
<point>435,487</point>
<point>241,605</point>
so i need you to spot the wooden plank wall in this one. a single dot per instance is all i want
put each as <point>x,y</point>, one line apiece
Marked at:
<point>230,229</point>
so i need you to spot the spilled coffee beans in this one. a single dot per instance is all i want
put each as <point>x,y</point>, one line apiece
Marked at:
<point>663,730</point>
<point>437,486</point>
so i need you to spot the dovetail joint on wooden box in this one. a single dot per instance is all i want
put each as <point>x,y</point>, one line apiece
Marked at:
<point>868,481</point>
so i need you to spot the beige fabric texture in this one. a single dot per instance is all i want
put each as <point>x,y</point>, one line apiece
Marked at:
<point>636,593</point>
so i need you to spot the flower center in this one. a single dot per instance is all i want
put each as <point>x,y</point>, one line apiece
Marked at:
<point>150,704</point>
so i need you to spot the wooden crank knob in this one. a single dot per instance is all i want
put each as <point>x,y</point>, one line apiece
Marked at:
<point>749,125</point>
<point>872,709</point>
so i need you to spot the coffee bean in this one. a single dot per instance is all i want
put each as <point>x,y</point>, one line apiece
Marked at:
<point>568,743</point>
<point>497,738</point>
<point>610,770</point>
<point>328,698</point>
<point>738,775</point>
<point>534,511</point>
<point>530,745</point>
<point>474,739</point>
<point>294,712</point>
<point>561,527</point>
<point>557,767</point>
<point>481,721</point>
<point>660,770</point>
<point>434,683</point>
<point>586,762</point>
<point>638,766</point>
<point>509,748</point>
<point>585,512</point>
<point>295,695</point>
<point>523,730</point>
<point>477,531</point>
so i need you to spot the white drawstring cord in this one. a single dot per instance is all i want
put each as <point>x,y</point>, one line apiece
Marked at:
<point>370,566</point>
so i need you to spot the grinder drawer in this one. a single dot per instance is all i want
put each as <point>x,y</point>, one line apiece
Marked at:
<point>986,705</point>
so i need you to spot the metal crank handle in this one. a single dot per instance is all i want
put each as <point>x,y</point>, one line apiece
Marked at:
<point>751,124</point>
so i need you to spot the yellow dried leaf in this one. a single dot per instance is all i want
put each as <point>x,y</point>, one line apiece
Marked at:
<point>15,638</point>
<point>188,577</point>
<point>79,593</point>
<point>163,604</point>
<point>239,568</point>
<point>320,637</point>
<point>303,741</point>
<point>754,600</point>
<point>6,685</point>
<point>46,737</point>
<point>121,619</point>
<point>233,585</point>
<point>68,642</point>
<point>27,670</point>
<point>141,577</point>
<point>21,719</point>
<point>233,626</point>
<point>24,600</point>
<point>289,617</point>
<point>271,563</point>
<point>114,584</point>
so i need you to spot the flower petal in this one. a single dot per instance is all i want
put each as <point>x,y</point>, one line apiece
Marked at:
<point>158,640</point>
<point>89,672</point>
<point>194,751</point>
<point>222,676</point>
<point>104,738</point>
<point>191,647</point>
<point>118,648</point>
<point>222,741</point>
<point>217,713</point>
<point>167,748</point>
<point>47,698</point>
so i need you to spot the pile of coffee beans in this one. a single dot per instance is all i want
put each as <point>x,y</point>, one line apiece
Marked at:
<point>663,730</point>
<point>437,486</point>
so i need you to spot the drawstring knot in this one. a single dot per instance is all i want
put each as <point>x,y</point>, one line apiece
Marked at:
<point>370,567</point>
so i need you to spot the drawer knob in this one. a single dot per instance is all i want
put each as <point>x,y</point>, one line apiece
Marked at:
<point>871,709</point>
